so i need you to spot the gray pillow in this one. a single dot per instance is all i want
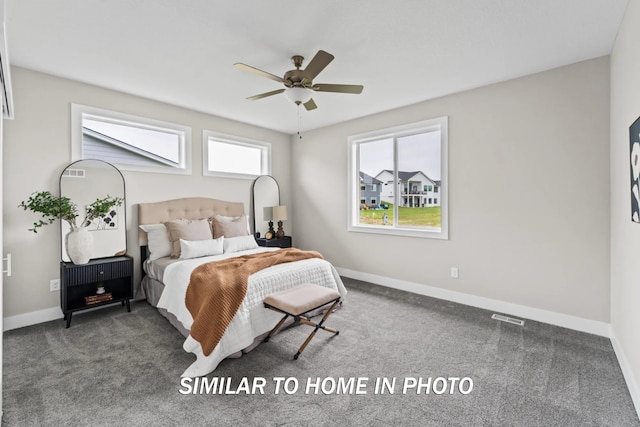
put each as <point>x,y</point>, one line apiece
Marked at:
<point>186,229</point>
<point>230,226</point>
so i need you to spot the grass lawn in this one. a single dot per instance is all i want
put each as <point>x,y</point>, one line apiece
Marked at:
<point>426,217</point>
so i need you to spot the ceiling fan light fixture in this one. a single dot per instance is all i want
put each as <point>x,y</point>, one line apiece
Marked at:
<point>298,95</point>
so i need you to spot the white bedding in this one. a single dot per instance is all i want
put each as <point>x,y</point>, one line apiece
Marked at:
<point>252,319</point>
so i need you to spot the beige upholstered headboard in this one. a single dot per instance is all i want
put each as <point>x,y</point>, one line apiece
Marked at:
<point>188,208</point>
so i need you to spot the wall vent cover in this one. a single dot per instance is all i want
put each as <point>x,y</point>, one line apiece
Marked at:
<point>73,173</point>
<point>507,319</point>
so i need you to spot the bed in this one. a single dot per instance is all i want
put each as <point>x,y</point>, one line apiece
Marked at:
<point>173,242</point>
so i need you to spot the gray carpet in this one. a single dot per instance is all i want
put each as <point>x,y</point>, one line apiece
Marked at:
<point>117,368</point>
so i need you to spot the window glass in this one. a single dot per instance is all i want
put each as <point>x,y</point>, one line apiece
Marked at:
<point>130,142</point>
<point>400,169</point>
<point>235,157</point>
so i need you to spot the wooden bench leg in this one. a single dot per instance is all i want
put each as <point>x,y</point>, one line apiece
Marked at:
<point>316,326</point>
<point>275,329</point>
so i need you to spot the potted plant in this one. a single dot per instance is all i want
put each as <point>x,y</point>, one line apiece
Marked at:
<point>79,241</point>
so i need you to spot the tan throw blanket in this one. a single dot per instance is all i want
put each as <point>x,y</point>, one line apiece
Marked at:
<point>216,290</point>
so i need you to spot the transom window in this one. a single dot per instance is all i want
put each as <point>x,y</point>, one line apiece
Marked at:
<point>410,163</point>
<point>130,142</point>
<point>234,157</point>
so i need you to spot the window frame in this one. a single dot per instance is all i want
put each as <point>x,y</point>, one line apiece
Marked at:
<point>437,124</point>
<point>264,147</point>
<point>79,112</point>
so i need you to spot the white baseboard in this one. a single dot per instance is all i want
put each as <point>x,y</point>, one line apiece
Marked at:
<point>516,310</point>
<point>627,372</point>
<point>32,318</point>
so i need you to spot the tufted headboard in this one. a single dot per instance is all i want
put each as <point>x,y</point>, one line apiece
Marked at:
<point>187,208</point>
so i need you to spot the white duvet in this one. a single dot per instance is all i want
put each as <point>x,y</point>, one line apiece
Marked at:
<point>252,319</point>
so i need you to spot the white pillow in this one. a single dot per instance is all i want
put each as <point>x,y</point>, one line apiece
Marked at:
<point>158,241</point>
<point>200,248</point>
<point>240,243</point>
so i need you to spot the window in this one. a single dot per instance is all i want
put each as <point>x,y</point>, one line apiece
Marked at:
<point>130,142</point>
<point>231,156</point>
<point>409,161</point>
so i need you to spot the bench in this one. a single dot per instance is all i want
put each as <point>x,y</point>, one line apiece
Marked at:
<point>297,302</point>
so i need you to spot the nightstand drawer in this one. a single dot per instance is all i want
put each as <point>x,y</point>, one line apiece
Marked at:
<point>98,272</point>
<point>282,242</point>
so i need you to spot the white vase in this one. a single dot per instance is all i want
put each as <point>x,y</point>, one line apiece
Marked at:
<point>80,245</point>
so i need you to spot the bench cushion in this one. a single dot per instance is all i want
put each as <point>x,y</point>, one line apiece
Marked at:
<point>301,299</point>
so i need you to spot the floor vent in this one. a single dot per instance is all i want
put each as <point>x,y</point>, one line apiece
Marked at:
<point>502,318</point>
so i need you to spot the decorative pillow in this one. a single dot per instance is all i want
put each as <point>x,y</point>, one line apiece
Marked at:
<point>197,229</point>
<point>240,243</point>
<point>200,248</point>
<point>158,241</point>
<point>230,226</point>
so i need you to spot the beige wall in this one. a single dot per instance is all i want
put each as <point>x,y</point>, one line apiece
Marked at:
<point>625,235</point>
<point>529,181</point>
<point>529,184</point>
<point>37,149</point>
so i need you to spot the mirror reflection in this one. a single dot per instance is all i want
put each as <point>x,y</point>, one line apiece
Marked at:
<point>265,193</point>
<point>85,181</point>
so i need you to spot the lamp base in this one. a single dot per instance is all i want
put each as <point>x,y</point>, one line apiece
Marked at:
<point>280,232</point>
<point>270,234</point>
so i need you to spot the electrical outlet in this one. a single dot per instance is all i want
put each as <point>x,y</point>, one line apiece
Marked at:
<point>54,285</point>
<point>454,272</point>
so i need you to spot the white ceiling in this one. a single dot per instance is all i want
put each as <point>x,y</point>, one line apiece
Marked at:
<point>403,52</point>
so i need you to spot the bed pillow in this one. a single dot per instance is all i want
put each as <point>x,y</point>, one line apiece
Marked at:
<point>197,229</point>
<point>240,243</point>
<point>230,226</point>
<point>199,248</point>
<point>158,241</point>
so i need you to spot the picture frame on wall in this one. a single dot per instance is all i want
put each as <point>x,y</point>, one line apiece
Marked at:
<point>634,157</point>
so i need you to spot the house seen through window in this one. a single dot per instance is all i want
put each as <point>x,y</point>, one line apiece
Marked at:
<point>130,142</point>
<point>400,171</point>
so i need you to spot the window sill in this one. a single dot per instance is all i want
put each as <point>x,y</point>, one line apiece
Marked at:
<point>421,232</point>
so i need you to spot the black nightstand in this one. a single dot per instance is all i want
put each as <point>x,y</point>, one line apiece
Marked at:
<point>284,242</point>
<point>78,284</point>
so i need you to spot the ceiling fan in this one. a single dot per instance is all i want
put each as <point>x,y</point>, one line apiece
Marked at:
<point>299,86</point>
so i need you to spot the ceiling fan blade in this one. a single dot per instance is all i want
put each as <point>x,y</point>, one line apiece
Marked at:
<point>317,64</point>
<point>310,105</point>
<point>323,87</point>
<point>258,72</point>
<point>264,95</point>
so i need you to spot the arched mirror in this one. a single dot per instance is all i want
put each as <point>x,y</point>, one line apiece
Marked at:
<point>265,193</point>
<point>85,181</point>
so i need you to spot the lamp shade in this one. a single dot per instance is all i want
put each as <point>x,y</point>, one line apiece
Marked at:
<point>267,213</point>
<point>279,213</point>
<point>299,95</point>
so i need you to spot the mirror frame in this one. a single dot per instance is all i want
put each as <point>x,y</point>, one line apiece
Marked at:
<point>253,198</point>
<point>122,214</point>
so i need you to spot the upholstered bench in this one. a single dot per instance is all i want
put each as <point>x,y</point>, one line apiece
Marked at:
<point>299,301</point>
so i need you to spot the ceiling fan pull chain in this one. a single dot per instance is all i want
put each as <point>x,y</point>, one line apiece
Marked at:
<point>299,118</point>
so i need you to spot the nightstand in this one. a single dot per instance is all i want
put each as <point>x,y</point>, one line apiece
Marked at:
<point>78,284</point>
<point>284,242</point>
